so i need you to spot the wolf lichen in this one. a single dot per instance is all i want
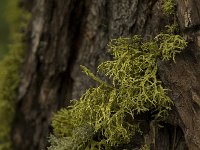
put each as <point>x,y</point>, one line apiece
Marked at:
<point>168,7</point>
<point>104,117</point>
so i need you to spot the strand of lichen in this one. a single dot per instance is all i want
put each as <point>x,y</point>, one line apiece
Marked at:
<point>99,119</point>
<point>9,76</point>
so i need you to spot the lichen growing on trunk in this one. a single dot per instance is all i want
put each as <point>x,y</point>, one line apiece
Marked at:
<point>104,117</point>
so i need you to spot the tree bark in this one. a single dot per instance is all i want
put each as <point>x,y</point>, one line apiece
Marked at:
<point>64,34</point>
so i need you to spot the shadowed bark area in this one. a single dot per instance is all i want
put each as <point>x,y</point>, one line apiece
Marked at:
<point>65,34</point>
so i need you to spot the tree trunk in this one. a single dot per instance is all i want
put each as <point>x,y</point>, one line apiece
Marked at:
<point>65,34</point>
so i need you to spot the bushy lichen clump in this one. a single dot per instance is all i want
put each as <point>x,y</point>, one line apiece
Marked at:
<point>168,7</point>
<point>10,76</point>
<point>105,116</point>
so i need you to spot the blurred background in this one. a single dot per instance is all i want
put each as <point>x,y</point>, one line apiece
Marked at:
<point>8,24</point>
<point>4,28</point>
<point>11,48</point>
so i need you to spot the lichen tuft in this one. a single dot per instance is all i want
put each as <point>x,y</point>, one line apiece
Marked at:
<point>104,117</point>
<point>168,7</point>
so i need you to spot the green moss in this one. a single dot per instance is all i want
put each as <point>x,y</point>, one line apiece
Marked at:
<point>104,117</point>
<point>9,81</point>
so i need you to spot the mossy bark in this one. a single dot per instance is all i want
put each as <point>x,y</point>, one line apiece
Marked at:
<point>65,34</point>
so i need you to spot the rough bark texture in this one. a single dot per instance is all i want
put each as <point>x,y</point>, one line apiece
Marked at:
<point>67,33</point>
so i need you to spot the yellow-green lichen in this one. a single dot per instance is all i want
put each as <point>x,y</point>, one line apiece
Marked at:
<point>168,7</point>
<point>104,117</point>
